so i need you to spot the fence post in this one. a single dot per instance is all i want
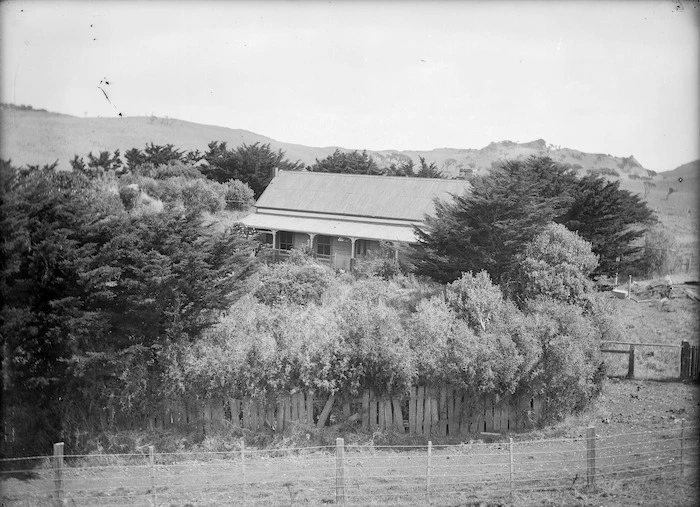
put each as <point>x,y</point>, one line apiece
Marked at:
<point>682,437</point>
<point>58,473</point>
<point>243,469</point>
<point>427,470</point>
<point>590,455</point>
<point>510,451</point>
<point>630,367</point>
<point>339,471</point>
<point>685,359</point>
<point>153,473</point>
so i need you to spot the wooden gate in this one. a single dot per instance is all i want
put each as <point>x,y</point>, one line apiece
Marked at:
<point>690,362</point>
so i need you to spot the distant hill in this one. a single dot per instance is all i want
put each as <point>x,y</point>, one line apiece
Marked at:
<point>38,137</point>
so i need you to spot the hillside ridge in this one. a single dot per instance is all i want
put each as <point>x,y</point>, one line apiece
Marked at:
<point>37,136</point>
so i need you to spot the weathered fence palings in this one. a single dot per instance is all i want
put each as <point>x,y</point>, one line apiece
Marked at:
<point>439,411</point>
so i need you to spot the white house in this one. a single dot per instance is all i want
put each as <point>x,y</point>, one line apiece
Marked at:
<point>341,217</point>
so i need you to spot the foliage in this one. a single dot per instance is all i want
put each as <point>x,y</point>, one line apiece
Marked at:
<point>289,283</point>
<point>557,263</point>
<point>348,163</point>
<point>172,169</point>
<point>153,154</point>
<point>381,263</point>
<point>448,350</point>
<point>428,170</point>
<point>405,168</point>
<point>129,195</point>
<point>474,299</point>
<point>487,227</point>
<point>251,164</point>
<point>96,165</point>
<point>95,297</point>
<point>201,195</point>
<point>660,254</point>
<point>239,195</point>
<point>570,371</point>
<point>611,219</point>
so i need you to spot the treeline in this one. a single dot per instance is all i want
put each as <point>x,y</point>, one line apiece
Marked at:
<point>252,164</point>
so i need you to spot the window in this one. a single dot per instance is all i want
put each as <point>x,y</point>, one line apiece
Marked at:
<point>286,240</point>
<point>323,245</point>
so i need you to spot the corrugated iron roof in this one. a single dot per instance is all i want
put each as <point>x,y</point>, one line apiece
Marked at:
<point>358,195</point>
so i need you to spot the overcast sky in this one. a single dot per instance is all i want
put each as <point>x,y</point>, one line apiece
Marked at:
<point>602,77</point>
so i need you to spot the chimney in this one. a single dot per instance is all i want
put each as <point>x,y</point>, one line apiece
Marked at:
<point>275,172</point>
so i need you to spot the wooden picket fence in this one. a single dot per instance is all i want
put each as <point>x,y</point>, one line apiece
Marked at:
<point>436,411</point>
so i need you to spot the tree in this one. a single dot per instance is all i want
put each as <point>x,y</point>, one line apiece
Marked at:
<point>428,170</point>
<point>252,164</point>
<point>485,228</point>
<point>405,168</point>
<point>94,296</point>
<point>348,163</point>
<point>660,252</point>
<point>155,154</point>
<point>611,219</point>
<point>97,165</point>
<point>46,219</point>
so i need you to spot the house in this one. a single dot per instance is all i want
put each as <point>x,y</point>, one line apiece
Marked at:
<point>342,217</point>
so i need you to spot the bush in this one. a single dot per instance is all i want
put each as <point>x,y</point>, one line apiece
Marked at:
<point>570,371</point>
<point>447,351</point>
<point>292,283</point>
<point>129,196</point>
<point>557,263</point>
<point>238,195</point>
<point>475,299</point>
<point>660,254</point>
<point>203,195</point>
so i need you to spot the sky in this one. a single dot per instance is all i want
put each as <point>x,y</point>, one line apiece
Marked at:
<point>601,77</point>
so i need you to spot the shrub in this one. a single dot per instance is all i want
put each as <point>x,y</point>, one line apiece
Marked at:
<point>203,195</point>
<point>570,372</point>
<point>447,350</point>
<point>292,283</point>
<point>557,264</point>
<point>475,299</point>
<point>660,254</point>
<point>238,195</point>
<point>129,195</point>
<point>379,353</point>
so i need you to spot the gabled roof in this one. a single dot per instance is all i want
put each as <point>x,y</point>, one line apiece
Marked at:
<point>357,195</point>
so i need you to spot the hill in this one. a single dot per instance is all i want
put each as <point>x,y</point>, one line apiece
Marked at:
<point>37,137</point>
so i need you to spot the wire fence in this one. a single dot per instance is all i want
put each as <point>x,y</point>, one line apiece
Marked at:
<point>351,474</point>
